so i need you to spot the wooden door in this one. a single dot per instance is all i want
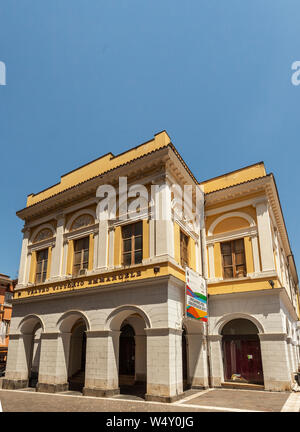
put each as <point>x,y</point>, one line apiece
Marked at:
<point>242,359</point>
<point>127,351</point>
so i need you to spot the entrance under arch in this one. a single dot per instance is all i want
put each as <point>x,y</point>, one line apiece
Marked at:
<point>34,359</point>
<point>77,357</point>
<point>132,356</point>
<point>127,355</point>
<point>241,352</point>
<point>184,361</point>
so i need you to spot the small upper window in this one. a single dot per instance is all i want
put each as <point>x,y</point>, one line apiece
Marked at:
<point>184,242</point>
<point>81,255</point>
<point>233,258</point>
<point>41,265</point>
<point>132,236</point>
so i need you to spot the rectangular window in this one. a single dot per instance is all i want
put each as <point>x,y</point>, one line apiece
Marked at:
<point>8,298</point>
<point>41,266</point>
<point>81,256</point>
<point>132,236</point>
<point>233,258</point>
<point>184,242</point>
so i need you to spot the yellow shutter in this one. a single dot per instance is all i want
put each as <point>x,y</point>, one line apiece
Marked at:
<point>117,246</point>
<point>192,254</point>
<point>91,252</point>
<point>248,255</point>
<point>145,238</point>
<point>70,257</point>
<point>49,262</point>
<point>177,242</point>
<point>32,267</point>
<point>218,260</point>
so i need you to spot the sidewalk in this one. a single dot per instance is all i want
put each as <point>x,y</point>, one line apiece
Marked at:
<point>211,400</point>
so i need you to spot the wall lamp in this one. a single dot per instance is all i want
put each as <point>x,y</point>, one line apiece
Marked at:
<point>156,270</point>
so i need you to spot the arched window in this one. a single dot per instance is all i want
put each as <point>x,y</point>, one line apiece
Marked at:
<point>82,221</point>
<point>44,234</point>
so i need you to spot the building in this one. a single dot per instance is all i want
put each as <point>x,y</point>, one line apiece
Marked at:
<point>6,294</point>
<point>100,300</point>
<point>252,279</point>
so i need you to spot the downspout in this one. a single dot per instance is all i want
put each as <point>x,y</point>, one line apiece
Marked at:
<point>205,275</point>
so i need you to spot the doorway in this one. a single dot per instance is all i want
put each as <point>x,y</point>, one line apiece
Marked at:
<point>241,352</point>
<point>77,357</point>
<point>127,356</point>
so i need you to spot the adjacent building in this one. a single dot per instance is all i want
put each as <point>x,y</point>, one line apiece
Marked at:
<point>100,301</point>
<point>6,295</point>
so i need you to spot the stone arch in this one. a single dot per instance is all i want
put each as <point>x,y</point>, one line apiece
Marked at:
<point>66,321</point>
<point>41,228</point>
<point>242,215</point>
<point>239,334</point>
<point>229,317</point>
<point>118,315</point>
<point>28,324</point>
<point>77,215</point>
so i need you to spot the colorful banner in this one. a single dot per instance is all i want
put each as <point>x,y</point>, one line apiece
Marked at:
<point>196,296</point>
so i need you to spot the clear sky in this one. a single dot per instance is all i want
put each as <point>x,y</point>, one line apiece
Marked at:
<point>88,77</point>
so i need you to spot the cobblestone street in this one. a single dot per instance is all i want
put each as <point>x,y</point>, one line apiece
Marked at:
<point>212,400</point>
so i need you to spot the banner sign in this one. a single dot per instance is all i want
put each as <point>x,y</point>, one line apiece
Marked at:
<point>196,296</point>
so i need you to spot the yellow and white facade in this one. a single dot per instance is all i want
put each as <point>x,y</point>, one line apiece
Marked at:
<point>243,206</point>
<point>102,301</point>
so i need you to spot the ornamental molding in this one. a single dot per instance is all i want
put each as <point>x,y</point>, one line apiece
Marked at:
<point>39,229</point>
<point>74,235</point>
<point>232,235</point>
<point>41,245</point>
<point>187,228</point>
<point>242,215</point>
<point>81,213</point>
<point>230,207</point>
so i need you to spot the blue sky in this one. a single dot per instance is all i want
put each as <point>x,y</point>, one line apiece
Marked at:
<point>88,77</point>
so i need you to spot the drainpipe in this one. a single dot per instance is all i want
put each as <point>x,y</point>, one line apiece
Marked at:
<point>205,275</point>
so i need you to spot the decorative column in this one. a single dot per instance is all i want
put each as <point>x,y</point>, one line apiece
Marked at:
<point>102,363</point>
<point>65,257</point>
<point>216,362</point>
<point>18,359</point>
<point>102,244</point>
<point>111,236</point>
<point>164,364</point>
<point>255,252</point>
<point>54,360</point>
<point>22,280</point>
<point>197,360</point>
<point>164,226</point>
<point>275,361</point>
<point>211,260</point>
<point>57,253</point>
<point>265,236</point>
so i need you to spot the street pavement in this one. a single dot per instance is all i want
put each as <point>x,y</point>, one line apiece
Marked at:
<point>211,400</point>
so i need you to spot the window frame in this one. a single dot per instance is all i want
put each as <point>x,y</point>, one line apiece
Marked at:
<point>82,252</point>
<point>44,267</point>
<point>233,259</point>
<point>184,235</point>
<point>132,237</point>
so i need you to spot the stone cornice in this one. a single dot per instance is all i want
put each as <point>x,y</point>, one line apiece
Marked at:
<point>81,190</point>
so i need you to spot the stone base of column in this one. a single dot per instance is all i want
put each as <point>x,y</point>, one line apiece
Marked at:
<point>100,392</point>
<point>278,386</point>
<point>10,384</point>
<point>52,388</point>
<point>164,399</point>
<point>199,387</point>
